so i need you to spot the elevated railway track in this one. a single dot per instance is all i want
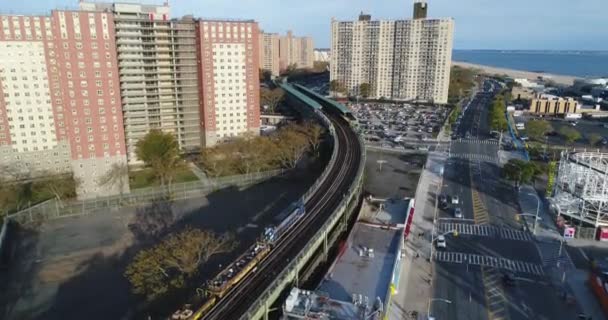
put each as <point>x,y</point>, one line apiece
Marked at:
<point>319,206</point>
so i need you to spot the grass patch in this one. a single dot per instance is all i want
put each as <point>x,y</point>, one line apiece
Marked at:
<point>145,178</point>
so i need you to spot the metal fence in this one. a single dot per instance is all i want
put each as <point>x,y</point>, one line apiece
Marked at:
<point>53,209</point>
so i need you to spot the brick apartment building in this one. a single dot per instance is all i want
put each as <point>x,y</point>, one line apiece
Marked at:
<point>60,109</point>
<point>79,88</point>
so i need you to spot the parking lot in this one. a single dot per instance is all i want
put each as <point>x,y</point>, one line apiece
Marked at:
<point>585,127</point>
<point>399,125</point>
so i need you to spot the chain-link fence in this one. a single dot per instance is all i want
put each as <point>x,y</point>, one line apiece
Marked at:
<point>54,208</point>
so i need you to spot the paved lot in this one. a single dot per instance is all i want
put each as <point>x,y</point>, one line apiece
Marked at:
<point>585,127</point>
<point>70,267</point>
<point>399,124</point>
<point>390,175</point>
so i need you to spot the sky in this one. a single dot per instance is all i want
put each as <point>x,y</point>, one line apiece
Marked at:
<point>480,24</point>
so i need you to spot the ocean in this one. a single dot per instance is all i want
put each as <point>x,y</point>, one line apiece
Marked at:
<point>586,64</point>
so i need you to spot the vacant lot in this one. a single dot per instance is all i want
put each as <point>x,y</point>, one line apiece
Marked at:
<point>72,268</point>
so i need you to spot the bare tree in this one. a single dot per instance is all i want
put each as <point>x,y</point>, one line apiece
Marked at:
<point>62,187</point>
<point>186,250</point>
<point>271,98</point>
<point>157,270</point>
<point>314,133</point>
<point>116,176</point>
<point>291,146</point>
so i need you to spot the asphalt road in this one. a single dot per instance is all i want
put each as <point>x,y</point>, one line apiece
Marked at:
<point>489,242</point>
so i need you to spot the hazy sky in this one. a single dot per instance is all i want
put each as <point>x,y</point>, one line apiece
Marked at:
<point>480,24</point>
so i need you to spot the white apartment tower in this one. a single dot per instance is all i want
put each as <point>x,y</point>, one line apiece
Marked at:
<point>402,60</point>
<point>157,60</point>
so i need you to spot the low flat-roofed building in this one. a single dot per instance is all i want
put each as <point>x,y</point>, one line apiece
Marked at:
<point>553,105</point>
<point>366,273</point>
<point>303,304</point>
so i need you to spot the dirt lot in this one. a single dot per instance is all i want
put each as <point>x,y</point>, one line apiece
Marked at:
<point>72,268</point>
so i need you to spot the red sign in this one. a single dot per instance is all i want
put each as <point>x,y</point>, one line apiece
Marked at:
<point>603,234</point>
<point>569,232</point>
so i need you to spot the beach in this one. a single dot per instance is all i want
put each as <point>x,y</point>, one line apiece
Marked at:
<point>517,74</point>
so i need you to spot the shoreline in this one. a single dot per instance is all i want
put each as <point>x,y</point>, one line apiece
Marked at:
<point>559,79</point>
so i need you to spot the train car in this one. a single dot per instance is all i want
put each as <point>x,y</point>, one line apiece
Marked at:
<point>296,212</point>
<point>203,309</point>
<point>230,276</point>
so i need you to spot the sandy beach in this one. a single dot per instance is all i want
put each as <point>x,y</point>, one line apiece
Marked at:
<point>560,79</point>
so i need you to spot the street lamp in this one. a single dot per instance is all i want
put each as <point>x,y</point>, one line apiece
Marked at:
<point>537,210</point>
<point>428,308</point>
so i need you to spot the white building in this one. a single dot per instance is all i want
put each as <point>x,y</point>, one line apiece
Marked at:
<point>401,60</point>
<point>323,55</point>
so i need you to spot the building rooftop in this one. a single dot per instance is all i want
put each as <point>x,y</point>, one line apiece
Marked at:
<point>302,304</point>
<point>366,266</point>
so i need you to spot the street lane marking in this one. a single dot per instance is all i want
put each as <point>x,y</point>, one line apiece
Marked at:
<point>496,303</point>
<point>485,230</point>
<point>498,263</point>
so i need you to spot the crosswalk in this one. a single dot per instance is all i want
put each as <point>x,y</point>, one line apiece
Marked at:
<point>489,261</point>
<point>551,256</point>
<point>476,141</point>
<point>485,230</point>
<point>474,156</point>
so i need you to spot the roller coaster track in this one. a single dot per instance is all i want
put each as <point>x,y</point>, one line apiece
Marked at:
<point>319,207</point>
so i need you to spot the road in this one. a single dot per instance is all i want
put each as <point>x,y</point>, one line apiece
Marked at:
<point>488,242</point>
<point>323,202</point>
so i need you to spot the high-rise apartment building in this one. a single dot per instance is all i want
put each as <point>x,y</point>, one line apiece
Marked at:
<point>269,52</point>
<point>158,72</point>
<point>402,60</point>
<point>228,67</point>
<point>60,105</point>
<point>278,52</point>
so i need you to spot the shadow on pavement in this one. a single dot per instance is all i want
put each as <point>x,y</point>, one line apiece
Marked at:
<point>67,270</point>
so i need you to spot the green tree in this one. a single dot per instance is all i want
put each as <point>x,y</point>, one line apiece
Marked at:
<point>160,151</point>
<point>364,90</point>
<point>537,129</point>
<point>271,98</point>
<point>551,170</point>
<point>594,139</point>
<point>520,171</point>
<point>497,118</point>
<point>167,265</point>
<point>336,86</point>
<point>569,134</point>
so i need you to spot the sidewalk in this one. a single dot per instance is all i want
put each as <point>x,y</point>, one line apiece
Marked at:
<point>415,287</point>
